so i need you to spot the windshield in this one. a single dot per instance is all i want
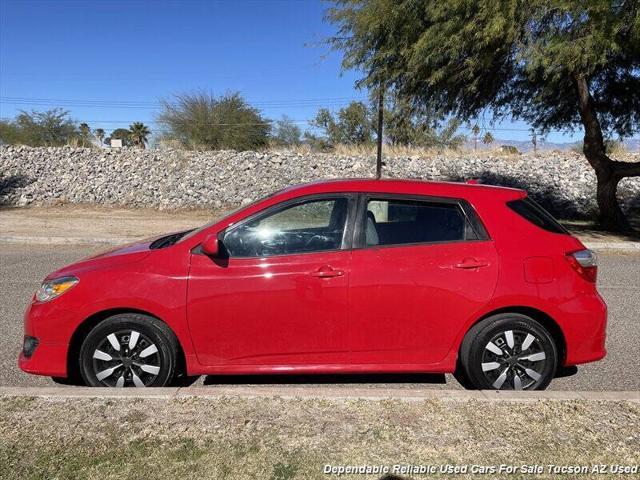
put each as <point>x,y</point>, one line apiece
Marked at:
<point>168,240</point>
<point>219,219</point>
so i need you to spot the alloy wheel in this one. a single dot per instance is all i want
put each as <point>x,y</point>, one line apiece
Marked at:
<point>126,358</point>
<point>514,360</point>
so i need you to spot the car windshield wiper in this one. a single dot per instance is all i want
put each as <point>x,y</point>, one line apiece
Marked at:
<point>168,240</point>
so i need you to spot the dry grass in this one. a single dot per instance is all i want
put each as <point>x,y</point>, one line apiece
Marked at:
<point>399,151</point>
<point>272,438</point>
<point>370,151</point>
<point>618,151</point>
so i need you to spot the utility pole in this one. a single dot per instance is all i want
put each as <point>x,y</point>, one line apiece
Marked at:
<point>380,123</point>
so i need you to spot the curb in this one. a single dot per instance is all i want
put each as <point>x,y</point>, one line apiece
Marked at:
<point>634,246</point>
<point>372,394</point>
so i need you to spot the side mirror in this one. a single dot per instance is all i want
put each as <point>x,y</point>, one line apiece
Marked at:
<point>210,246</point>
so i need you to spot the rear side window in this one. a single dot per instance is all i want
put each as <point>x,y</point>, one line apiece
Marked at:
<point>534,213</point>
<point>398,222</point>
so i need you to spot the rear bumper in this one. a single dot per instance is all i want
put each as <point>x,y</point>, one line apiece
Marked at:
<point>585,331</point>
<point>589,351</point>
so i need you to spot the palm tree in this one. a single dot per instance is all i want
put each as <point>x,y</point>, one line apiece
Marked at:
<point>476,131</point>
<point>488,138</point>
<point>84,132</point>
<point>99,134</point>
<point>139,133</point>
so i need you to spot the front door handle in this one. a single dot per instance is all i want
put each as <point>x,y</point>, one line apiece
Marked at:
<point>469,263</point>
<point>327,271</point>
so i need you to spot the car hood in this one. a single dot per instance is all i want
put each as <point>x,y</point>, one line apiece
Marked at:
<point>114,257</point>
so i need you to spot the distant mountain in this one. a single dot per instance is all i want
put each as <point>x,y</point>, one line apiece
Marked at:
<point>631,144</point>
<point>521,145</point>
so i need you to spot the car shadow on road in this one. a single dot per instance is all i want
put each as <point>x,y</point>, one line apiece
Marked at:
<point>315,379</point>
<point>563,372</point>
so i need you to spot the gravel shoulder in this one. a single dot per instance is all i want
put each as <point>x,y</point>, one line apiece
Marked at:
<point>277,438</point>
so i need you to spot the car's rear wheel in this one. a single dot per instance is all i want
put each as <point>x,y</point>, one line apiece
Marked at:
<point>508,351</point>
<point>129,350</point>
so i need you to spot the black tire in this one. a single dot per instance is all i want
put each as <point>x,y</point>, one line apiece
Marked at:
<point>505,364</point>
<point>146,353</point>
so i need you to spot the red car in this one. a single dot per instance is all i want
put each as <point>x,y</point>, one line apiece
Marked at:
<point>332,277</point>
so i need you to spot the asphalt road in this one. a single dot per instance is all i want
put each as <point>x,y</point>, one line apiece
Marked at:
<point>23,267</point>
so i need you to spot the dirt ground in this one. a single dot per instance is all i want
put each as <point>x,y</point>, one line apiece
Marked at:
<point>85,224</point>
<point>98,224</point>
<point>274,438</point>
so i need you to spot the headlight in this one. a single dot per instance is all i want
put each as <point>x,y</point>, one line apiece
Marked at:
<point>54,288</point>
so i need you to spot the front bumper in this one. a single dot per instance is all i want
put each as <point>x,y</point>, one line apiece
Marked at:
<point>47,359</point>
<point>44,322</point>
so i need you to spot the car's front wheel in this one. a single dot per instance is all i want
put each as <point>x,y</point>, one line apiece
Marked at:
<point>508,352</point>
<point>129,350</point>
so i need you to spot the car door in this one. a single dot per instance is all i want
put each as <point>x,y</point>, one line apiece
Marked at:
<point>279,297</point>
<point>421,268</point>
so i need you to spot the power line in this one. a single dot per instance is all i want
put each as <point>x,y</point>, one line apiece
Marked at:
<point>293,103</point>
<point>156,102</point>
<point>157,122</point>
<point>200,124</point>
<point>311,102</point>
<point>299,122</point>
<point>146,104</point>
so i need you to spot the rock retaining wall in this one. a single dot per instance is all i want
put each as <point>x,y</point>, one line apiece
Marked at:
<point>171,179</point>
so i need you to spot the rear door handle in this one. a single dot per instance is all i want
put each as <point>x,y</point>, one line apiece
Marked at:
<point>327,271</point>
<point>469,263</point>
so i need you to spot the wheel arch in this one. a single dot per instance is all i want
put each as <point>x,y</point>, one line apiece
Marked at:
<point>73,352</point>
<point>538,315</point>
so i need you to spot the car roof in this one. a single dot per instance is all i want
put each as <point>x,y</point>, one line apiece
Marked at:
<point>402,186</point>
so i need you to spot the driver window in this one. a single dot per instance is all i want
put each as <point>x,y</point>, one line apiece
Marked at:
<point>312,226</point>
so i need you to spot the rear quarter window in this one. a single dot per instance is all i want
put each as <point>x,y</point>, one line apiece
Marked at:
<point>534,213</point>
<point>402,222</point>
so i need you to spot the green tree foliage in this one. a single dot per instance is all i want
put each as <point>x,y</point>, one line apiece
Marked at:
<point>488,139</point>
<point>317,142</point>
<point>85,131</point>
<point>401,126</point>
<point>9,133</point>
<point>556,64</point>
<point>286,133</point>
<point>448,135</point>
<point>404,126</point>
<point>122,134</point>
<point>99,134</point>
<point>353,124</point>
<point>139,133</point>
<point>325,121</point>
<point>200,121</point>
<point>50,128</point>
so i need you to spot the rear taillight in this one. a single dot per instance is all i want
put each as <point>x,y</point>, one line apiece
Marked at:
<point>585,263</point>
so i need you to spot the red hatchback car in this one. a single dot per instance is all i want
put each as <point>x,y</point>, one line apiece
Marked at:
<point>332,277</point>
